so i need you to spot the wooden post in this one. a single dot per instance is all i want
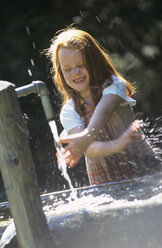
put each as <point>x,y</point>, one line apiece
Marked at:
<point>17,168</point>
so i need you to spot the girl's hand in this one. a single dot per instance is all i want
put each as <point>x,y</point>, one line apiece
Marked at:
<point>77,145</point>
<point>131,133</point>
<point>71,153</point>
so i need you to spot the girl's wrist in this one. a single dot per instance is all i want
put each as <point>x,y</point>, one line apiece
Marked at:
<point>88,135</point>
<point>114,146</point>
<point>120,144</point>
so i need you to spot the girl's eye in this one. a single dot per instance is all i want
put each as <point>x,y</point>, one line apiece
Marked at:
<point>67,70</point>
<point>80,66</point>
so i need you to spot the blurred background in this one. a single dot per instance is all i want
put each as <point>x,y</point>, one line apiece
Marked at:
<point>131,31</point>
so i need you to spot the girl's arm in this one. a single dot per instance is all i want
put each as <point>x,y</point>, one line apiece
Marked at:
<point>106,148</point>
<point>78,143</point>
<point>102,149</point>
<point>103,111</point>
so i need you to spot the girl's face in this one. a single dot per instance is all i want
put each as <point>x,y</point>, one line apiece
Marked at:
<point>74,71</point>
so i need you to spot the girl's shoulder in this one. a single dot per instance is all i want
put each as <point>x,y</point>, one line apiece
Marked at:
<point>69,117</point>
<point>118,87</point>
<point>68,105</point>
<point>115,80</point>
<point>67,110</point>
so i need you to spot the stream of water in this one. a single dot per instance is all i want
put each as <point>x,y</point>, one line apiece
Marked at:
<point>61,161</point>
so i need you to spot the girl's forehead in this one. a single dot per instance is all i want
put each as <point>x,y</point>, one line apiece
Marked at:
<point>69,48</point>
<point>70,53</point>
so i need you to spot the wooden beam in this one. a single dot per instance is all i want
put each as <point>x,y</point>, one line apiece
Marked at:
<point>18,172</point>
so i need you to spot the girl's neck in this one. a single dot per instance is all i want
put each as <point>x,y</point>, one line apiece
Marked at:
<point>87,99</point>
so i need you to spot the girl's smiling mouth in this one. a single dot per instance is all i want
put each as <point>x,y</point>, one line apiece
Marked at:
<point>79,80</point>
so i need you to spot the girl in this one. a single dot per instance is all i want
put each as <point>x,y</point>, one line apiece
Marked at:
<point>97,109</point>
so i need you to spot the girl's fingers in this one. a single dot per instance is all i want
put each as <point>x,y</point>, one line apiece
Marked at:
<point>67,154</point>
<point>73,162</point>
<point>69,159</point>
<point>137,135</point>
<point>64,141</point>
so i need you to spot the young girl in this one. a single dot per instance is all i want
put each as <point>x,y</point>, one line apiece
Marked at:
<point>97,109</point>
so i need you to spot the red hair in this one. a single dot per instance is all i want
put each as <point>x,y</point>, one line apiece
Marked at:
<point>96,59</point>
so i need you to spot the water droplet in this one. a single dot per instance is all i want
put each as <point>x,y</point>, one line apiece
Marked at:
<point>76,19</point>
<point>151,130</point>
<point>30,73</point>
<point>27,30</point>
<point>51,197</point>
<point>98,19</point>
<point>81,13</point>
<point>34,45</point>
<point>32,62</point>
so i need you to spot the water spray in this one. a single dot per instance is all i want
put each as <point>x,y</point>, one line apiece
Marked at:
<point>59,148</point>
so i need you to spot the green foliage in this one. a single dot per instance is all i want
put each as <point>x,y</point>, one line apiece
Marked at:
<point>130,31</point>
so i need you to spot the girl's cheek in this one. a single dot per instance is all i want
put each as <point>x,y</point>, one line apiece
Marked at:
<point>66,74</point>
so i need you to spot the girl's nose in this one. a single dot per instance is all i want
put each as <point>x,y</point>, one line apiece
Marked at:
<point>76,70</point>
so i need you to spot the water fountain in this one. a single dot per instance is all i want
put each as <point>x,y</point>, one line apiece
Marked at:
<point>127,213</point>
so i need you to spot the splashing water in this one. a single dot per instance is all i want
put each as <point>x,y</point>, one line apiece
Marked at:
<point>153,130</point>
<point>29,72</point>
<point>27,30</point>
<point>113,213</point>
<point>34,46</point>
<point>98,19</point>
<point>61,162</point>
<point>32,62</point>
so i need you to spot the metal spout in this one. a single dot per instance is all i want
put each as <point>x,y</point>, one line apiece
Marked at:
<point>40,88</point>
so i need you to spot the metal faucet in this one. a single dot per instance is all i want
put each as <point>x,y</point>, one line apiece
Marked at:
<point>40,88</point>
